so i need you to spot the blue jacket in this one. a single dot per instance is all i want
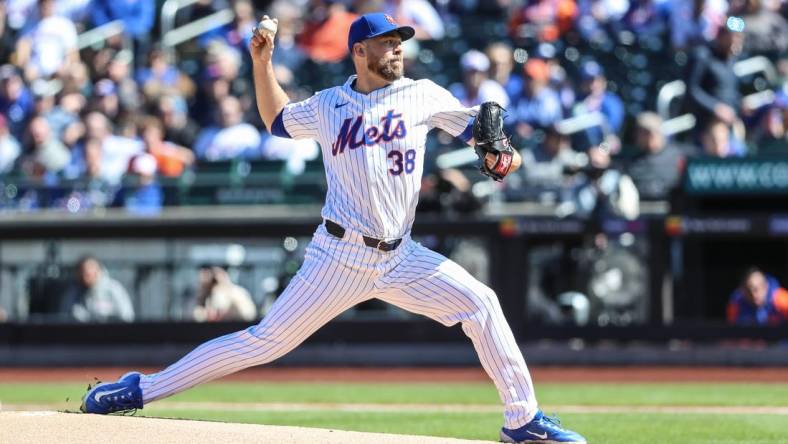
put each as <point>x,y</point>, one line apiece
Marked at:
<point>137,15</point>
<point>773,312</point>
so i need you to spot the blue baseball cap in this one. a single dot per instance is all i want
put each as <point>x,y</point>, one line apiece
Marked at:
<point>591,70</point>
<point>374,24</point>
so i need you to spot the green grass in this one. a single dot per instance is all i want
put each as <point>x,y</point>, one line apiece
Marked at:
<point>457,425</point>
<point>647,428</point>
<point>630,428</point>
<point>691,394</point>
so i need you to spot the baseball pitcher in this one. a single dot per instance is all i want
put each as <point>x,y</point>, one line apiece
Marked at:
<point>372,130</point>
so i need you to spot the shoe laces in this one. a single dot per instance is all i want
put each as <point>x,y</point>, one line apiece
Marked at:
<point>552,422</point>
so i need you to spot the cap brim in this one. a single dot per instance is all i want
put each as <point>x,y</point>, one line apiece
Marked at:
<point>405,32</point>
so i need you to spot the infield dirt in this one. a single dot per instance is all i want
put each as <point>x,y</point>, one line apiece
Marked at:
<point>66,428</point>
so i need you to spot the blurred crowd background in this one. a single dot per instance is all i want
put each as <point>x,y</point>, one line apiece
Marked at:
<point>140,105</point>
<point>131,118</point>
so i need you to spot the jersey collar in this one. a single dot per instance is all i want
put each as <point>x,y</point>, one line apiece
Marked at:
<point>349,88</point>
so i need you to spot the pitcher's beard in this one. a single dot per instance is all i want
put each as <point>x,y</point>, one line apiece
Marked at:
<point>386,69</point>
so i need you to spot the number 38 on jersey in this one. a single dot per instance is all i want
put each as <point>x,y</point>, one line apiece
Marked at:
<point>352,136</point>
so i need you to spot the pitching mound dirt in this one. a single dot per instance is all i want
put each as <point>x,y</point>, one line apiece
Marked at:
<point>65,428</point>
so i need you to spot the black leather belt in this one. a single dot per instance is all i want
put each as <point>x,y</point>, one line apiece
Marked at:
<point>335,229</point>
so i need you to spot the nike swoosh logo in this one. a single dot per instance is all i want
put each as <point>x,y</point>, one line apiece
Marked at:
<point>340,105</point>
<point>98,395</point>
<point>542,436</point>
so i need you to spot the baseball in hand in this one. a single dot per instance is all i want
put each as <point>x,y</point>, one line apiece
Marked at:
<point>267,26</point>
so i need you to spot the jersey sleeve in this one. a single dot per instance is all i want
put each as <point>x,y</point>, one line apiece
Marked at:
<point>448,114</point>
<point>298,120</point>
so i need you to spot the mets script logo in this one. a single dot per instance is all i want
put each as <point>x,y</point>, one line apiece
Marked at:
<point>352,135</point>
<point>390,19</point>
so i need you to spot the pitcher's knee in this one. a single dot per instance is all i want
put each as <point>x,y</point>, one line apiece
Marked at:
<point>487,299</point>
<point>264,333</point>
<point>484,303</point>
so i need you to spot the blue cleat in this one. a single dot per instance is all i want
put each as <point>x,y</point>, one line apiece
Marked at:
<point>113,397</point>
<point>543,430</point>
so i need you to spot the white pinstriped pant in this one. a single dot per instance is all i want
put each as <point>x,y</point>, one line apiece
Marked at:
<point>340,273</point>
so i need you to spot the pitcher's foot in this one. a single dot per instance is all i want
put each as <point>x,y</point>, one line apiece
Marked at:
<point>113,397</point>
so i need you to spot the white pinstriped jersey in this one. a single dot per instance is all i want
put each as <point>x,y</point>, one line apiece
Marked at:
<point>373,151</point>
<point>373,148</point>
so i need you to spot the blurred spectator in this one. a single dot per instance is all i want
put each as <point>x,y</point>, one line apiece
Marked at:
<point>178,127</point>
<point>141,193</point>
<point>219,299</point>
<point>92,152</point>
<point>99,62</point>
<point>712,86</point>
<point>288,53</point>
<point>238,33</point>
<point>50,46</point>
<point>64,119</point>
<point>324,36</point>
<point>657,166</point>
<point>419,14</point>
<point>760,300</point>
<point>772,137</point>
<point>160,77</point>
<point>501,66</point>
<point>695,22</point>
<point>44,92</point>
<point>765,29</point>
<point>105,99</point>
<point>77,80</point>
<point>119,71</point>
<point>232,138</point>
<point>16,101</point>
<point>7,35</point>
<point>116,151</point>
<point>95,296</point>
<point>547,169</point>
<point>137,17</point>
<point>717,140</point>
<point>9,147</point>
<point>222,79</point>
<point>646,18</point>
<point>602,192</point>
<point>75,10</point>
<point>559,80</point>
<point>594,97</point>
<point>94,191</point>
<point>542,20</point>
<point>20,12</point>
<point>595,17</point>
<point>171,159</point>
<point>539,106</point>
<point>44,152</point>
<point>127,126</point>
<point>476,87</point>
<point>78,11</point>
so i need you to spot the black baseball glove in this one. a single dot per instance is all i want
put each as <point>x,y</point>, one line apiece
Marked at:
<point>490,139</point>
